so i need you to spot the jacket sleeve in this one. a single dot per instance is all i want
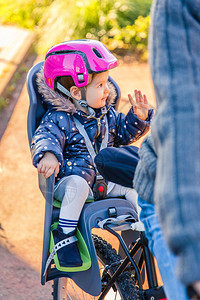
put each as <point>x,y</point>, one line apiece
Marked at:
<point>129,128</point>
<point>49,137</point>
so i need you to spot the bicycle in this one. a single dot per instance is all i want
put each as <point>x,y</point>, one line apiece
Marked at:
<point>104,274</point>
<point>122,275</point>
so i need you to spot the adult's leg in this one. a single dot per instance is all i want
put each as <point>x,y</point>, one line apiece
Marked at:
<point>175,66</point>
<point>174,289</point>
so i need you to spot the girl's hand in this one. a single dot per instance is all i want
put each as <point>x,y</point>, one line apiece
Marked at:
<point>48,164</point>
<point>140,107</point>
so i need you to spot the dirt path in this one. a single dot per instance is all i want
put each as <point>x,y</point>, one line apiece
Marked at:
<point>22,205</point>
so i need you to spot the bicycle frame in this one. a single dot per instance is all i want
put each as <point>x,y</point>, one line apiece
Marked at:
<point>146,257</point>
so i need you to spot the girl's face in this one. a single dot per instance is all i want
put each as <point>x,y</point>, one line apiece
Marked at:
<point>97,90</point>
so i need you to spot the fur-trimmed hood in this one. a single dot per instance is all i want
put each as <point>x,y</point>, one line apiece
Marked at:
<point>58,101</point>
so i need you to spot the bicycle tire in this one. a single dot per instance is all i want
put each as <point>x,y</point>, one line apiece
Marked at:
<point>125,288</point>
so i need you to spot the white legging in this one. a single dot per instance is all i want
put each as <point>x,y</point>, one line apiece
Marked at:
<point>73,191</point>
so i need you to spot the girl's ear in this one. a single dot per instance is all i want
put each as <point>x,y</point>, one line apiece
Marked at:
<point>75,92</point>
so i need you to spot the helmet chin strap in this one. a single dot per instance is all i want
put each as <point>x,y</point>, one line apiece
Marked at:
<point>84,102</point>
<point>80,104</point>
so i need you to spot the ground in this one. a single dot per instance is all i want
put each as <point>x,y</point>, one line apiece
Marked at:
<point>22,205</point>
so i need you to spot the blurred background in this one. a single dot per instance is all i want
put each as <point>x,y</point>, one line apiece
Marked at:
<point>27,30</point>
<point>122,25</point>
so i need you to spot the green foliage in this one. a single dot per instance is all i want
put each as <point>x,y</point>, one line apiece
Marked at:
<point>77,19</point>
<point>3,103</point>
<point>115,23</point>
<point>131,39</point>
<point>130,10</point>
<point>121,24</point>
<point>26,14</point>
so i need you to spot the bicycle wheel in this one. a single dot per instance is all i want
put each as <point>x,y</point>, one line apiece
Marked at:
<point>124,288</point>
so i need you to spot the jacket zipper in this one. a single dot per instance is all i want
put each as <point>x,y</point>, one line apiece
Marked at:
<point>98,133</point>
<point>99,126</point>
<point>99,123</point>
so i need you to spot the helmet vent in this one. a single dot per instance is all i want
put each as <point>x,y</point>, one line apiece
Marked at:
<point>97,53</point>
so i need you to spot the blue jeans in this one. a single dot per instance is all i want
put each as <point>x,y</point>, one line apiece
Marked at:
<point>166,260</point>
<point>175,68</point>
<point>171,178</point>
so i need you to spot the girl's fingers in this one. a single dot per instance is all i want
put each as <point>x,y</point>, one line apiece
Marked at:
<point>38,168</point>
<point>131,100</point>
<point>41,169</point>
<point>57,170</point>
<point>139,97</point>
<point>48,173</point>
<point>145,99</point>
<point>136,95</point>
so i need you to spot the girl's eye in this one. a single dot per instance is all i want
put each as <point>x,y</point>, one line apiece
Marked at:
<point>100,85</point>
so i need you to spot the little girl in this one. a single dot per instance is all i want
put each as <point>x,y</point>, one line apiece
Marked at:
<point>74,84</point>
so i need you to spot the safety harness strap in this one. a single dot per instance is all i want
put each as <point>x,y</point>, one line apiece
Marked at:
<point>62,89</point>
<point>82,102</point>
<point>58,246</point>
<point>87,139</point>
<point>100,186</point>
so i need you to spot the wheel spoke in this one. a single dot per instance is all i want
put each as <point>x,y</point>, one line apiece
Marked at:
<point>73,292</point>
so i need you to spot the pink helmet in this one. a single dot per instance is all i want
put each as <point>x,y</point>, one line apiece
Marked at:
<point>77,59</point>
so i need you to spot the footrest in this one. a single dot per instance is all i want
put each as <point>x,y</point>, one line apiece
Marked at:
<point>89,279</point>
<point>85,256</point>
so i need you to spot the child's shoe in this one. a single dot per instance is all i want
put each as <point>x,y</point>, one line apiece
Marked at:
<point>69,255</point>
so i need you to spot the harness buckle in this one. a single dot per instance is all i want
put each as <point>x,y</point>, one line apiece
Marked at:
<point>100,188</point>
